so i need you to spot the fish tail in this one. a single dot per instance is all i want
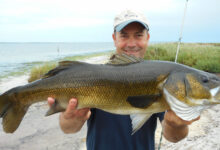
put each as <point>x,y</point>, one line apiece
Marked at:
<point>11,112</point>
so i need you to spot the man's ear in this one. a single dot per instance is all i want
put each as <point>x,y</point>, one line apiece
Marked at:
<point>114,38</point>
<point>148,36</point>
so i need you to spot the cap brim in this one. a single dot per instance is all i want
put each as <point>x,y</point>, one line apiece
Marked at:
<point>119,27</point>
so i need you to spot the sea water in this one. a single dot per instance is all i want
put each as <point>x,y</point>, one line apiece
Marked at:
<point>14,57</point>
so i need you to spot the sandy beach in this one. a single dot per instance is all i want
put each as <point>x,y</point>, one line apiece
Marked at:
<point>203,134</point>
<point>37,132</point>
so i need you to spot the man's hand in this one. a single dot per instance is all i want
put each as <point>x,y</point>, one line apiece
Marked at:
<point>174,120</point>
<point>72,119</point>
<point>175,129</point>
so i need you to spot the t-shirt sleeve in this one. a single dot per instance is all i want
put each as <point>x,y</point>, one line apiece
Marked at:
<point>160,116</point>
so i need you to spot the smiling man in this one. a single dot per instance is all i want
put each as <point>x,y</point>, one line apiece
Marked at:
<point>131,34</point>
<point>108,131</point>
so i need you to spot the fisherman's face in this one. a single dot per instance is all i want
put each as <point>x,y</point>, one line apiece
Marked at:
<point>132,40</point>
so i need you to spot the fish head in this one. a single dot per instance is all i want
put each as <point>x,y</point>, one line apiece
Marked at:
<point>202,88</point>
<point>193,89</point>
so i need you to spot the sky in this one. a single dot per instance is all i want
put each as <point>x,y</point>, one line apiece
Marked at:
<point>92,20</point>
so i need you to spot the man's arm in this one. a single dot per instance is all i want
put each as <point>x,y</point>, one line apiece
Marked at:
<point>174,128</point>
<point>72,119</point>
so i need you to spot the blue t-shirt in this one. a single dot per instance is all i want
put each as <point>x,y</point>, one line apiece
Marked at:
<point>108,131</point>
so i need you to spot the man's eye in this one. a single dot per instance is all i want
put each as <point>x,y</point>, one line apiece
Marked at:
<point>124,36</point>
<point>139,35</point>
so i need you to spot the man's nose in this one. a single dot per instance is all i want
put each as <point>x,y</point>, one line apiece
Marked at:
<point>131,43</point>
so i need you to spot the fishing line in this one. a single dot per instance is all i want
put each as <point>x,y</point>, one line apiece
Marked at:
<point>161,137</point>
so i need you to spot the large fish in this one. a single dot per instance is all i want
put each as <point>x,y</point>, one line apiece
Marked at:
<point>126,85</point>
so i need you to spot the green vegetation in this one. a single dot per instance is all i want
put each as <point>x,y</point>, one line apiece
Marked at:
<point>203,56</point>
<point>38,72</point>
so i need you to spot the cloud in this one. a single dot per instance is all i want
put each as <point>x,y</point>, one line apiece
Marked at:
<point>18,17</point>
<point>82,8</point>
<point>47,14</point>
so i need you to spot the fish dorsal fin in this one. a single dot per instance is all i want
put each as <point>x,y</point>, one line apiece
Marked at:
<point>123,59</point>
<point>63,65</point>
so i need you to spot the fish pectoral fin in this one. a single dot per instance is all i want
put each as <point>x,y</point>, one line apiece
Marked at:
<point>55,108</point>
<point>138,121</point>
<point>123,59</point>
<point>143,101</point>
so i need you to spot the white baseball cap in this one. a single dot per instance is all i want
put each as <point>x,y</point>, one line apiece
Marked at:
<point>128,16</point>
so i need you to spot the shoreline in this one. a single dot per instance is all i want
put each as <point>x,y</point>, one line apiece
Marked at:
<point>12,81</point>
<point>25,67</point>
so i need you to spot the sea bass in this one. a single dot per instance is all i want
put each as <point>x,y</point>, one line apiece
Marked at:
<point>126,85</point>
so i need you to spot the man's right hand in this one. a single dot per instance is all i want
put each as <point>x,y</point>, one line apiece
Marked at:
<point>72,119</point>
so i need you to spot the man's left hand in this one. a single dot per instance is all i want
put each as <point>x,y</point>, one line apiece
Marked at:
<point>175,128</point>
<point>174,120</point>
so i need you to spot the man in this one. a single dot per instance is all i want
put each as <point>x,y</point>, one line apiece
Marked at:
<point>111,131</point>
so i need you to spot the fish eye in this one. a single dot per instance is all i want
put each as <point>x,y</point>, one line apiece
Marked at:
<point>205,79</point>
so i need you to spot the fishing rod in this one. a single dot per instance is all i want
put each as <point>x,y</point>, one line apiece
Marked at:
<point>181,32</point>
<point>177,52</point>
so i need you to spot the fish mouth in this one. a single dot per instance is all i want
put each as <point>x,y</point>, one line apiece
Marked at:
<point>215,92</point>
